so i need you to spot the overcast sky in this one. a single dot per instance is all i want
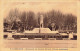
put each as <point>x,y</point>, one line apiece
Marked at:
<point>64,7</point>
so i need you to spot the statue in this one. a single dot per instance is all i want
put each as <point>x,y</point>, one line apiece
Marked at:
<point>41,21</point>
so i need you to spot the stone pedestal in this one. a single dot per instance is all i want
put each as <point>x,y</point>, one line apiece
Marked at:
<point>70,35</point>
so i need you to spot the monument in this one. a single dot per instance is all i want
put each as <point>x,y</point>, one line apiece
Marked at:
<point>41,29</point>
<point>41,21</point>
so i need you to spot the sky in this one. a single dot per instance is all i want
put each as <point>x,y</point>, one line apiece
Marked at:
<point>64,7</point>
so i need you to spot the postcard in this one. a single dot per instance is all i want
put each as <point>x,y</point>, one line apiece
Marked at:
<point>39,25</point>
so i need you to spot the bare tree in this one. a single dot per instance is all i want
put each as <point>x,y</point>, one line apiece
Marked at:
<point>70,21</point>
<point>31,20</point>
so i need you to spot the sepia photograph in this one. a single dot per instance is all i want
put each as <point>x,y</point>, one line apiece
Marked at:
<point>40,25</point>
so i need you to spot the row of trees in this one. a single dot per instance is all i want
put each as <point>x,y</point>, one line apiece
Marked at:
<point>62,21</point>
<point>28,20</point>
